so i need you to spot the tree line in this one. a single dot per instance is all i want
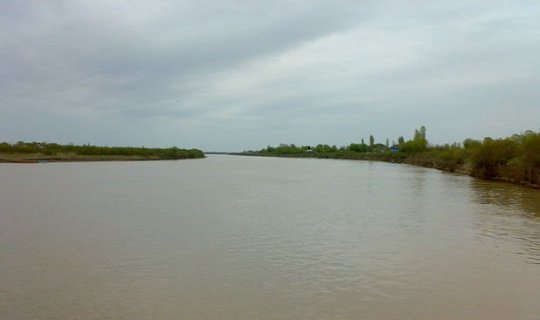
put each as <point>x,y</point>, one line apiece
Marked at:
<point>54,149</point>
<point>514,159</point>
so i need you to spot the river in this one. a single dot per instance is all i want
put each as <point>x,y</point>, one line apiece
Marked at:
<point>231,237</point>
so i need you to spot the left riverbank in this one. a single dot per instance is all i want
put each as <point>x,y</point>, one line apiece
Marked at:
<point>35,152</point>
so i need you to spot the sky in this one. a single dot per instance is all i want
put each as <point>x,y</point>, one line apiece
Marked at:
<point>241,75</point>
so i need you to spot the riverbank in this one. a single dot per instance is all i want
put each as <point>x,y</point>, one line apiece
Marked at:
<point>459,165</point>
<point>35,152</point>
<point>514,159</point>
<point>40,158</point>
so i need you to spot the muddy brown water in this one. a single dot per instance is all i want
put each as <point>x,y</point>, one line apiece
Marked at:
<point>264,238</point>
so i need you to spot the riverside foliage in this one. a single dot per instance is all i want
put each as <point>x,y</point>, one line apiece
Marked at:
<point>515,159</point>
<point>54,149</point>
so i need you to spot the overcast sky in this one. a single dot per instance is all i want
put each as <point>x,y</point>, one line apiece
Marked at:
<point>238,75</point>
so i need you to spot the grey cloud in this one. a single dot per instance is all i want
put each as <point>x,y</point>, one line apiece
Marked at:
<point>137,59</point>
<point>234,76</point>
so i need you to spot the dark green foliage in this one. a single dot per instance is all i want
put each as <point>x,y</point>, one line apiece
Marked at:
<point>530,149</point>
<point>356,147</point>
<point>490,155</point>
<point>446,157</point>
<point>378,148</point>
<point>470,144</point>
<point>324,148</point>
<point>515,159</point>
<point>285,149</point>
<point>418,144</point>
<point>89,150</point>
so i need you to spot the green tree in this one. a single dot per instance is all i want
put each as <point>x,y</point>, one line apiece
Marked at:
<point>530,153</point>
<point>488,157</point>
<point>418,144</point>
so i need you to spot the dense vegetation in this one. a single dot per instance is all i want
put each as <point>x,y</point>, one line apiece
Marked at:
<point>63,152</point>
<point>515,159</point>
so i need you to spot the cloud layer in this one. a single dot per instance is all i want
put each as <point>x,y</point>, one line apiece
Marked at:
<point>235,76</point>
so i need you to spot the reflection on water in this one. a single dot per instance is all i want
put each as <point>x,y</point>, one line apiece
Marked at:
<point>503,202</point>
<point>263,238</point>
<point>512,198</point>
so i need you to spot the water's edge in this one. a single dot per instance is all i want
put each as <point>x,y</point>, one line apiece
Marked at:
<point>462,169</point>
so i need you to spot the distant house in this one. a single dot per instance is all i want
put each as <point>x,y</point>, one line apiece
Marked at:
<point>394,148</point>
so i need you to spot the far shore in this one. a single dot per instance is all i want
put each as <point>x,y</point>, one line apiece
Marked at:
<point>462,169</point>
<point>41,158</point>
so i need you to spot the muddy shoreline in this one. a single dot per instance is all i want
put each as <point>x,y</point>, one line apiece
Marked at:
<point>462,169</point>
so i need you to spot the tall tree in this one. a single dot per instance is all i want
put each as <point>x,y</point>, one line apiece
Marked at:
<point>423,132</point>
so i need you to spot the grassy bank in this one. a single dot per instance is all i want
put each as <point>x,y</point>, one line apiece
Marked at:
<point>514,159</point>
<point>24,152</point>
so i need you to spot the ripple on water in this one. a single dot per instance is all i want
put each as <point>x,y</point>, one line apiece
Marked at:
<point>258,238</point>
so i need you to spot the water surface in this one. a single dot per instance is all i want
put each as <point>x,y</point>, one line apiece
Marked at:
<point>264,238</point>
